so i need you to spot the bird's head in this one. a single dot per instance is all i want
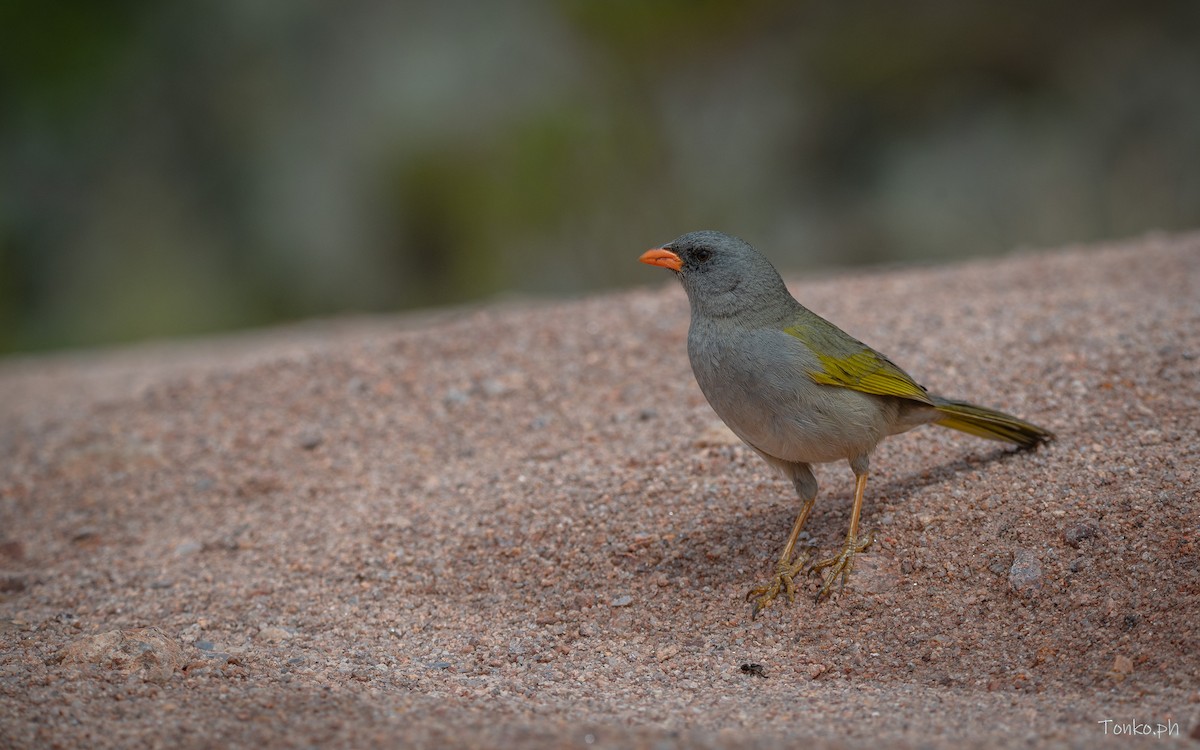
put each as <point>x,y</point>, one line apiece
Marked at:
<point>722,275</point>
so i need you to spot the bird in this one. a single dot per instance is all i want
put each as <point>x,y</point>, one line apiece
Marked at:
<point>801,391</point>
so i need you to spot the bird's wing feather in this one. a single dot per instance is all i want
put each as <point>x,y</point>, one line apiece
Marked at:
<point>848,363</point>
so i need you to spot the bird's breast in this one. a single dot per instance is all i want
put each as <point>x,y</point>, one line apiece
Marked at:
<point>758,382</point>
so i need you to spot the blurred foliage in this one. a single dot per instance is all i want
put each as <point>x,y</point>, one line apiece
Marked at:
<point>182,167</point>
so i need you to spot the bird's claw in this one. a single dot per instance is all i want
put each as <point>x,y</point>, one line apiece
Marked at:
<point>843,563</point>
<point>780,582</point>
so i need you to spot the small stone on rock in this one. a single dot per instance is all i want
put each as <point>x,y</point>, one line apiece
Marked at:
<point>1122,667</point>
<point>187,548</point>
<point>1076,533</point>
<point>273,635</point>
<point>147,652</point>
<point>1025,574</point>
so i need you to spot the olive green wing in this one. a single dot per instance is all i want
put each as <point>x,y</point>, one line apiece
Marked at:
<point>848,363</point>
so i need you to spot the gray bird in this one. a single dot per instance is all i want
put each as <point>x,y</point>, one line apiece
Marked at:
<point>799,390</point>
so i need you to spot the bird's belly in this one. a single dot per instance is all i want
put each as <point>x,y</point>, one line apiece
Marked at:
<point>807,430</point>
<point>775,406</point>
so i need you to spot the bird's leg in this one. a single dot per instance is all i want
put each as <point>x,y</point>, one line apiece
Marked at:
<point>843,563</point>
<point>786,569</point>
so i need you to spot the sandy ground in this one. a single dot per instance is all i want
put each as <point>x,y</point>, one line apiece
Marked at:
<point>522,525</point>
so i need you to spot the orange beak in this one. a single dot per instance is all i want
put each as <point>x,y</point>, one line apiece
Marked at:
<point>660,256</point>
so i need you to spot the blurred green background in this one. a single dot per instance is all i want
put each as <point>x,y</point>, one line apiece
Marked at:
<point>172,168</point>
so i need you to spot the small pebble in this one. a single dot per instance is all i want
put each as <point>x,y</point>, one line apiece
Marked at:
<point>1025,574</point>
<point>273,635</point>
<point>139,653</point>
<point>1122,667</point>
<point>666,653</point>
<point>187,548</point>
<point>310,439</point>
<point>1077,532</point>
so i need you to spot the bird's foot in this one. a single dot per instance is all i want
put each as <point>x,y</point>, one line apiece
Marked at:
<point>843,563</point>
<point>781,582</point>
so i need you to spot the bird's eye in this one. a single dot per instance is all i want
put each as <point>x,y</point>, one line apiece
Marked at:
<point>701,254</point>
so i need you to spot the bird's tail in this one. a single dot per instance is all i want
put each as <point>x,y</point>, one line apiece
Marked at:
<point>989,423</point>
